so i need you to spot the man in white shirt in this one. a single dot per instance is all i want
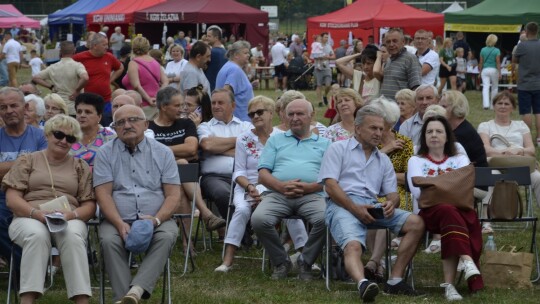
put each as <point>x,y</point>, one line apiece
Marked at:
<point>279,60</point>
<point>217,139</point>
<point>12,52</point>
<point>429,59</point>
<point>257,52</point>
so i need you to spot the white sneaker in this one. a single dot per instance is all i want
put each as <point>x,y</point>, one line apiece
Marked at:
<point>223,268</point>
<point>451,293</point>
<point>460,266</point>
<point>293,259</point>
<point>315,267</point>
<point>470,269</point>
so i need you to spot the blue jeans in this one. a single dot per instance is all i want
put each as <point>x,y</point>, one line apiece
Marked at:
<point>5,242</point>
<point>4,77</point>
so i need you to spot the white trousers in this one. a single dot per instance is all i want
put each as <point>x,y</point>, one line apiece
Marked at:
<point>490,79</point>
<point>241,216</point>
<point>35,240</point>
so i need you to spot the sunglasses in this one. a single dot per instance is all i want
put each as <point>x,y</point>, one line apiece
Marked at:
<point>61,135</point>
<point>258,112</point>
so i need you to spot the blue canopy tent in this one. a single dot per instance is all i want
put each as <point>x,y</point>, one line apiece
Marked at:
<point>72,19</point>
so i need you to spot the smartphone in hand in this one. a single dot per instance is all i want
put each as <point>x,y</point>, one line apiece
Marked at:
<point>376,213</point>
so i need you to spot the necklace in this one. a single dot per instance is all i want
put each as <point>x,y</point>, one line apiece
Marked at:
<point>436,162</point>
<point>499,127</point>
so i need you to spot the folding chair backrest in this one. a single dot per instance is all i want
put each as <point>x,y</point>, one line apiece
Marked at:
<point>487,176</point>
<point>189,173</point>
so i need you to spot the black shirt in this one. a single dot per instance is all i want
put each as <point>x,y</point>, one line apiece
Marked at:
<point>469,138</point>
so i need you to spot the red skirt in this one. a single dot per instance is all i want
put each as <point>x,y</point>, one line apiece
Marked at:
<point>460,232</point>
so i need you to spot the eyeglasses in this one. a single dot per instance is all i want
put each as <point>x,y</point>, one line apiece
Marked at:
<point>120,123</point>
<point>258,112</point>
<point>187,105</point>
<point>52,109</point>
<point>61,135</point>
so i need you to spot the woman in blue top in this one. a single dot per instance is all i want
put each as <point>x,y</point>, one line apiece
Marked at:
<point>490,69</point>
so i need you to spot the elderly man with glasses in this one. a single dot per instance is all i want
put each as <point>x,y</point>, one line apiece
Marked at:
<point>135,177</point>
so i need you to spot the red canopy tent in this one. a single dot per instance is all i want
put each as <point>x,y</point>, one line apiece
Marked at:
<point>119,13</point>
<point>239,19</point>
<point>10,15</point>
<point>364,18</point>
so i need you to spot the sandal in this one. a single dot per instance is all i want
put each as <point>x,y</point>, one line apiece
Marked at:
<point>374,273</point>
<point>395,243</point>
<point>434,247</point>
<point>487,229</point>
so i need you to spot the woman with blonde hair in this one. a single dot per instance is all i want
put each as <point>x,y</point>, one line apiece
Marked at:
<point>406,100</point>
<point>447,69</point>
<point>490,70</point>
<point>348,101</point>
<point>145,75</point>
<point>176,65</point>
<point>54,104</point>
<point>37,178</point>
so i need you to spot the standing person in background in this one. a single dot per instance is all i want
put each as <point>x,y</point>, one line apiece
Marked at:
<point>279,60</point>
<point>125,58</point>
<point>217,55</point>
<point>181,39</point>
<point>175,66</point>
<point>145,76</point>
<point>4,77</point>
<point>340,52</point>
<point>323,72</point>
<point>490,69</point>
<point>233,78</point>
<point>193,73</point>
<point>296,48</point>
<point>117,41</point>
<point>461,43</point>
<point>102,67</point>
<point>12,52</point>
<point>257,52</point>
<point>429,59</point>
<point>529,77</point>
<point>447,69</point>
<point>35,63</point>
<point>66,77</point>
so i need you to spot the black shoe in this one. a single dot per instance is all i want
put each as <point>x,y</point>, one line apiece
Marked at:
<point>325,100</point>
<point>304,270</point>
<point>401,288</point>
<point>368,291</point>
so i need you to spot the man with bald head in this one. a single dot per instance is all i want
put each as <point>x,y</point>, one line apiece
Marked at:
<point>288,167</point>
<point>135,178</point>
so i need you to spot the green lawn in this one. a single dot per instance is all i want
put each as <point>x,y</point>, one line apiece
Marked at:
<point>247,284</point>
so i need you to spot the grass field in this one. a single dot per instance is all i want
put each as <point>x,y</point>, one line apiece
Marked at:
<point>246,283</point>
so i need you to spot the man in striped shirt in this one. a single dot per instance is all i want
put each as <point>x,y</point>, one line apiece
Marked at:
<point>403,70</point>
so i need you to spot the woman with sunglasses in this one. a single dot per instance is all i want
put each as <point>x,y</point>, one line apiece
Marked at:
<point>249,146</point>
<point>89,108</point>
<point>37,178</point>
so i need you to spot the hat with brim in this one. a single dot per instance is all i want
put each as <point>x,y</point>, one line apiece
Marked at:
<point>140,236</point>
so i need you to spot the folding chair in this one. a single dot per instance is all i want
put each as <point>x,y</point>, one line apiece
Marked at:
<point>487,176</point>
<point>189,173</point>
<point>328,257</point>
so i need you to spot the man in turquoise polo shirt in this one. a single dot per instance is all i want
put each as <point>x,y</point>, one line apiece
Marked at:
<point>289,166</point>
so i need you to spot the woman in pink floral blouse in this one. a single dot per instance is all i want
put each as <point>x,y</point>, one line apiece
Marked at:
<point>348,101</point>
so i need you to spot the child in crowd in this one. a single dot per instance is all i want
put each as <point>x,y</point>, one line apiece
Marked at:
<point>461,69</point>
<point>331,111</point>
<point>35,63</point>
<point>370,85</point>
<point>317,52</point>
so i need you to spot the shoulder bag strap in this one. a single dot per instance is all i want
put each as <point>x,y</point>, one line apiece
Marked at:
<point>144,65</point>
<point>50,173</point>
<point>501,138</point>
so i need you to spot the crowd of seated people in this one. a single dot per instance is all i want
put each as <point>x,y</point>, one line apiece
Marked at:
<point>350,176</point>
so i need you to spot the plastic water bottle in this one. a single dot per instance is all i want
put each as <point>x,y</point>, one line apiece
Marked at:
<point>490,244</point>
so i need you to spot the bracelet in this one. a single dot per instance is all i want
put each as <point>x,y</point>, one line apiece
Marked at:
<point>157,221</point>
<point>247,187</point>
<point>76,214</point>
<point>32,212</point>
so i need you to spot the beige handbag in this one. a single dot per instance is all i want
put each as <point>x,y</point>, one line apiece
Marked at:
<point>511,160</point>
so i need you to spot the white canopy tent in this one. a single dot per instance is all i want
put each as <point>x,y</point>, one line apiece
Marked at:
<point>455,7</point>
